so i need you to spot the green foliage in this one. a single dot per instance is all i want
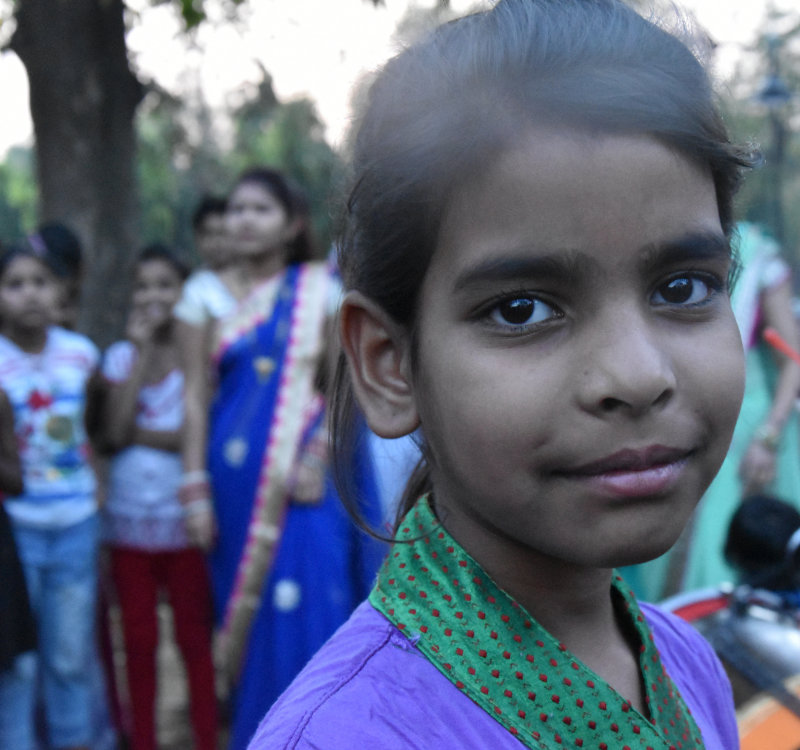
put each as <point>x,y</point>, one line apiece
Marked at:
<point>180,158</point>
<point>18,194</point>
<point>291,138</point>
<point>193,12</point>
<point>178,161</point>
<point>771,133</point>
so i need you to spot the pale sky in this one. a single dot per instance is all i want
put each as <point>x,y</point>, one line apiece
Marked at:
<point>315,47</point>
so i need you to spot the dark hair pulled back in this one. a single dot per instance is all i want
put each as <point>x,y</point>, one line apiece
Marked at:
<point>441,111</point>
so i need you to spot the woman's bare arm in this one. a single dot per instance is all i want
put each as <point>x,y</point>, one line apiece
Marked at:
<point>193,350</point>
<point>758,465</point>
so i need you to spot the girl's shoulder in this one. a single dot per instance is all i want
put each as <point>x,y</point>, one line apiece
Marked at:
<point>369,686</point>
<point>7,345</point>
<point>205,296</point>
<point>118,361</point>
<point>62,339</point>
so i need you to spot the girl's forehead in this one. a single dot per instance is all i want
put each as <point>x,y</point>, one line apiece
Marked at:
<point>252,190</point>
<point>156,267</point>
<point>26,264</point>
<point>565,194</point>
<point>567,155</point>
<point>590,171</point>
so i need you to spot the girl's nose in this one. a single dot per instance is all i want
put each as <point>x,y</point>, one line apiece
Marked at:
<point>628,368</point>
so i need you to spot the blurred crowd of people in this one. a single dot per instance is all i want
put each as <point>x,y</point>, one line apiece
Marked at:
<point>186,463</point>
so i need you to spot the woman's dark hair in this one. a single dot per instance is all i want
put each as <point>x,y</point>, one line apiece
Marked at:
<point>442,111</point>
<point>291,197</point>
<point>63,244</point>
<point>209,205</point>
<point>160,251</point>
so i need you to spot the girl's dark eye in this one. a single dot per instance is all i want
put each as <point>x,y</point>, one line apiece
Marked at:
<point>521,311</point>
<point>684,290</point>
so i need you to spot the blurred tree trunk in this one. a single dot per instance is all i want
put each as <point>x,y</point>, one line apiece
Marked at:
<point>83,97</point>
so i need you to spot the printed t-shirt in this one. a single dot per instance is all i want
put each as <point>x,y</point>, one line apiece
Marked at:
<point>48,393</point>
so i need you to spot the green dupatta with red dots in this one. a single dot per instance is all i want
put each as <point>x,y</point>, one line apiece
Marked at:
<point>490,648</point>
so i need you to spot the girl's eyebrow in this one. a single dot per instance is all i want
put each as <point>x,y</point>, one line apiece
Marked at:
<point>693,246</point>
<point>573,265</point>
<point>558,265</point>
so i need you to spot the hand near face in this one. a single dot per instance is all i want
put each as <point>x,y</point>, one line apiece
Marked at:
<point>141,327</point>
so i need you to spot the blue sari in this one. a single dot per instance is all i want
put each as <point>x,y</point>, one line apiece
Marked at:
<point>285,573</point>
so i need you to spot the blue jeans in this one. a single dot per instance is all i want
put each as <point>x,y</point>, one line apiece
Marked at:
<point>61,573</point>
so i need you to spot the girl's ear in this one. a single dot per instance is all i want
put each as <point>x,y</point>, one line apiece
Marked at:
<point>378,355</point>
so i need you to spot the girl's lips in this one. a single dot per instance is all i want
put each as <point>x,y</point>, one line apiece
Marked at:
<point>633,473</point>
<point>637,482</point>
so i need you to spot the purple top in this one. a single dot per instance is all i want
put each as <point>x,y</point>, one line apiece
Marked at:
<point>370,687</point>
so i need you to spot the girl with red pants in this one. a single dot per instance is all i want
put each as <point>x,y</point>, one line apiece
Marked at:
<point>144,522</point>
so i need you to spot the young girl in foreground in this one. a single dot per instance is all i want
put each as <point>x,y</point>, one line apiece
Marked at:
<point>144,521</point>
<point>538,264</point>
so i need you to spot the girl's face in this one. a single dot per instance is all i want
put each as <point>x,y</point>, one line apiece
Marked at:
<point>211,240</point>
<point>578,372</point>
<point>256,221</point>
<point>156,290</point>
<point>29,294</point>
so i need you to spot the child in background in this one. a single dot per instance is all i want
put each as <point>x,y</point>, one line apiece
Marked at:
<point>144,522</point>
<point>538,265</point>
<point>207,292</point>
<point>44,370</point>
<point>210,237</point>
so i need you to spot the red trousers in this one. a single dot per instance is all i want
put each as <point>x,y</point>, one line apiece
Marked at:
<point>138,577</point>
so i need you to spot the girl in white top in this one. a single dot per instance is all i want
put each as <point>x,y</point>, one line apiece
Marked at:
<point>145,525</point>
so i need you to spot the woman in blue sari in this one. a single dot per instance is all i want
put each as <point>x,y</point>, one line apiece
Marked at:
<point>287,565</point>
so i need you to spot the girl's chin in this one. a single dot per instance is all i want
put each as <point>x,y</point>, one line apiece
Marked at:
<point>34,322</point>
<point>252,245</point>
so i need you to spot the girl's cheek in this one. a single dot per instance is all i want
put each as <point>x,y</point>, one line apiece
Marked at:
<point>58,294</point>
